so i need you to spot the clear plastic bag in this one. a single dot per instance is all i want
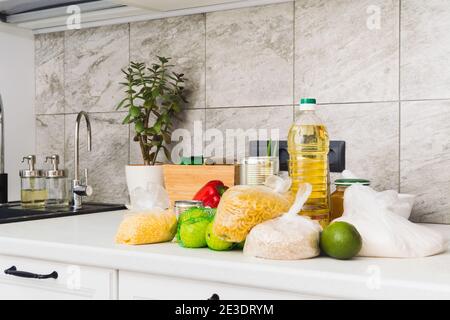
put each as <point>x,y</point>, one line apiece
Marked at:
<point>289,237</point>
<point>147,227</point>
<point>243,207</point>
<point>385,233</point>
<point>149,221</point>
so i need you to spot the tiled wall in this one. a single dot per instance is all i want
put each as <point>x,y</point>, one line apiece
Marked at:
<point>384,88</point>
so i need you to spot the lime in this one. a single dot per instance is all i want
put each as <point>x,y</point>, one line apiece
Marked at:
<point>195,213</point>
<point>214,242</point>
<point>341,240</point>
<point>192,233</point>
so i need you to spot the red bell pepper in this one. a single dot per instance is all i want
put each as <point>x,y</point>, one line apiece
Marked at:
<point>211,193</point>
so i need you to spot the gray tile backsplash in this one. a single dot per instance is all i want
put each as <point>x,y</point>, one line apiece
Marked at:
<point>182,39</point>
<point>49,60</point>
<point>108,157</point>
<point>378,68</point>
<point>425,47</point>
<point>371,133</point>
<point>425,158</point>
<point>342,54</point>
<point>249,56</point>
<point>93,59</point>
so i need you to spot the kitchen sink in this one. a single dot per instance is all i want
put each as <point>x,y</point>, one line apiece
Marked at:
<point>13,212</point>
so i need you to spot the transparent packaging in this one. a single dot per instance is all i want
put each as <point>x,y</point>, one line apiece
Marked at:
<point>386,233</point>
<point>289,237</point>
<point>152,226</point>
<point>33,192</point>
<point>58,191</point>
<point>243,207</point>
<point>149,220</point>
<point>308,146</point>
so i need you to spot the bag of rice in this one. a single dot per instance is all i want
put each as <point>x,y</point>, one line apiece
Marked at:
<point>243,207</point>
<point>289,237</point>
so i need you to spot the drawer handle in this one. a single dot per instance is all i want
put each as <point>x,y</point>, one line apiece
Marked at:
<point>23,274</point>
<point>215,296</point>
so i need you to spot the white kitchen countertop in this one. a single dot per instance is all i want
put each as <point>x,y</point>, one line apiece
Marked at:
<point>89,240</point>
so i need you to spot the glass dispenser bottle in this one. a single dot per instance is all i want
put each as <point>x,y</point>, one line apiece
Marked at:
<point>57,184</point>
<point>33,192</point>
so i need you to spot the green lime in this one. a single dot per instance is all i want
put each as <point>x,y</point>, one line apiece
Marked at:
<point>214,242</point>
<point>194,213</point>
<point>134,112</point>
<point>192,233</point>
<point>341,240</point>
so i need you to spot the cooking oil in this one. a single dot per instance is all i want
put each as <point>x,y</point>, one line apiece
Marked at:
<point>33,198</point>
<point>308,147</point>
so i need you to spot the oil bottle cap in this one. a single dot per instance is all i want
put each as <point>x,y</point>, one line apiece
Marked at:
<point>307,104</point>
<point>31,172</point>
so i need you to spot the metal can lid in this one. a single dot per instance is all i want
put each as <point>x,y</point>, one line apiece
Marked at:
<point>188,203</point>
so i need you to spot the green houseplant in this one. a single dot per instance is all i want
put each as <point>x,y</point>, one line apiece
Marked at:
<point>154,97</point>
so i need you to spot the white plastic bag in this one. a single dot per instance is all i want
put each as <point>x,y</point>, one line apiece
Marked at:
<point>289,237</point>
<point>385,233</point>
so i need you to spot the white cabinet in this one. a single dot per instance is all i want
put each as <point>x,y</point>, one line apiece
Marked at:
<point>136,286</point>
<point>72,282</point>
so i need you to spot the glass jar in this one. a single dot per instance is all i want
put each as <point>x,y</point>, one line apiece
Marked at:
<point>57,185</point>
<point>33,191</point>
<point>337,197</point>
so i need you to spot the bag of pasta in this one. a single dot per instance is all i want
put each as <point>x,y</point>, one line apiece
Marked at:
<point>243,207</point>
<point>152,226</point>
<point>149,220</point>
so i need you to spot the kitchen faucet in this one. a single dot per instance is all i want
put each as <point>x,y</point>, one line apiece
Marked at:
<point>79,189</point>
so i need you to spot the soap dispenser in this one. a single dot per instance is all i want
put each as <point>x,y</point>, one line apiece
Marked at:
<point>33,191</point>
<point>57,184</point>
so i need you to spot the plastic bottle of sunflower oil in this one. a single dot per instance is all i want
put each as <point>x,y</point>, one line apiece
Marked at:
<point>308,147</point>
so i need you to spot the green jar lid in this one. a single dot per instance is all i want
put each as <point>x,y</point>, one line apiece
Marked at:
<point>349,182</point>
<point>307,101</point>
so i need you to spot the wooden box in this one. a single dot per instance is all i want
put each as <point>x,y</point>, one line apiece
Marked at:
<point>183,181</point>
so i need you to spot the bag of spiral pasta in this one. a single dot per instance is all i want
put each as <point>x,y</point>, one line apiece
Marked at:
<point>243,207</point>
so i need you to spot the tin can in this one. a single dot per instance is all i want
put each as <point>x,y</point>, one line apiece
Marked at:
<point>183,205</point>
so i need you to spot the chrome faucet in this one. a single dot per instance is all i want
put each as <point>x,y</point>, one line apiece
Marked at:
<point>79,189</point>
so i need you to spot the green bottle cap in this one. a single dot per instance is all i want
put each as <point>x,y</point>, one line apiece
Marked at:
<point>308,101</point>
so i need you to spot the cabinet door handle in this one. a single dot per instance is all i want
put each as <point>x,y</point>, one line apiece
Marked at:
<point>215,296</point>
<point>23,274</point>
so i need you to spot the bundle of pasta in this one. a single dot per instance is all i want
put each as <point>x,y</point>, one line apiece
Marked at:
<point>289,237</point>
<point>243,207</point>
<point>147,227</point>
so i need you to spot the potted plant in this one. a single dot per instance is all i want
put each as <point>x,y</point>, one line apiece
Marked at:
<point>154,97</point>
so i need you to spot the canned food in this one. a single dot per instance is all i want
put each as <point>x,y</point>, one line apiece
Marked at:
<point>183,205</point>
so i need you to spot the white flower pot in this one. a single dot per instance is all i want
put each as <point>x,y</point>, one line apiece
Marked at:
<point>141,175</point>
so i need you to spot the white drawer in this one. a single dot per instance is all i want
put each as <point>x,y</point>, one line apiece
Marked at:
<point>153,287</point>
<point>73,282</point>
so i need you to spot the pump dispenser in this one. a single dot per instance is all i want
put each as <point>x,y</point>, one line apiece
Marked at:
<point>57,184</point>
<point>33,192</point>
